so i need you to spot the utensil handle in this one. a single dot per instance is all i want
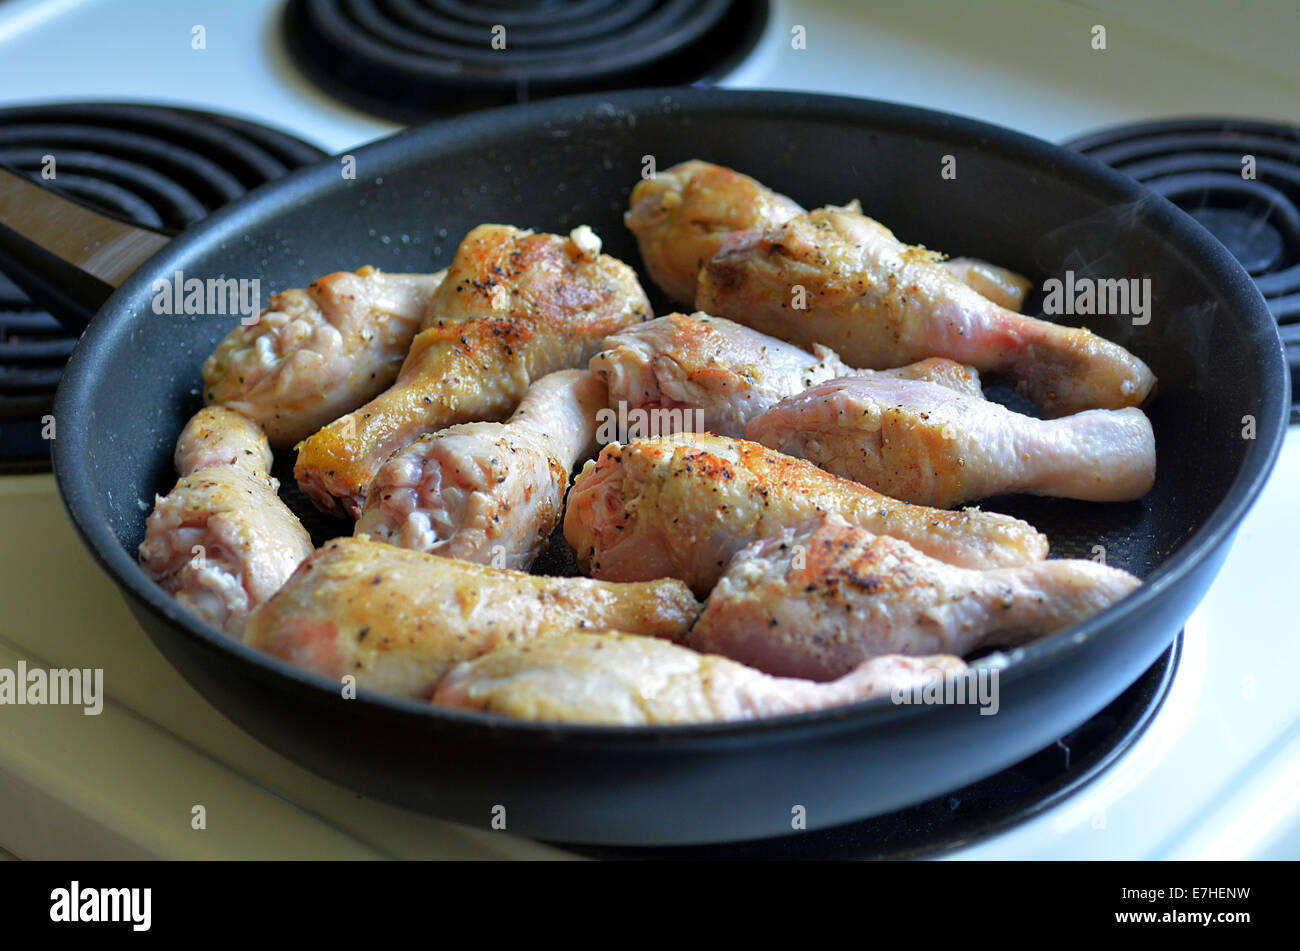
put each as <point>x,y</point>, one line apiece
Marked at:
<point>68,257</point>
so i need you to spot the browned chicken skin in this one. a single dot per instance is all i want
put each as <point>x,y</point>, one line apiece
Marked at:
<point>221,541</point>
<point>397,620</point>
<point>818,602</point>
<point>881,303</point>
<point>621,679</point>
<point>681,215</point>
<point>682,506</point>
<point>318,353</point>
<point>455,373</point>
<point>514,307</point>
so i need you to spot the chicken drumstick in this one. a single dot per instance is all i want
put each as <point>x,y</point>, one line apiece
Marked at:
<point>514,307</point>
<point>836,277</point>
<point>489,492</point>
<point>221,541</point>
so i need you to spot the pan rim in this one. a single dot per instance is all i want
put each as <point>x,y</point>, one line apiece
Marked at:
<point>74,477</point>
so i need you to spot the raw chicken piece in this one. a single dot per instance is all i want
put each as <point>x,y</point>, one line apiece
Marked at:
<point>397,620</point>
<point>818,603</point>
<point>221,541</point>
<point>318,353</point>
<point>681,506</point>
<point>940,371</point>
<point>515,306</point>
<point>489,492</point>
<point>927,445</point>
<point>625,680</point>
<point>681,215</point>
<point>729,371</point>
<point>881,303</point>
<point>1004,287</point>
<point>217,436</point>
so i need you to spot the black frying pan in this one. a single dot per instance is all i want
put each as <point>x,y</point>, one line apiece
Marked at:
<point>1025,204</point>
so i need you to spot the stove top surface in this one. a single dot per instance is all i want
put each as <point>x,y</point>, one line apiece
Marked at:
<point>415,61</point>
<point>1240,179</point>
<point>154,165</point>
<point>1207,772</point>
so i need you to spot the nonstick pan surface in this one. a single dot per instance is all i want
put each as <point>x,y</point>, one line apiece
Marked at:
<point>1025,204</point>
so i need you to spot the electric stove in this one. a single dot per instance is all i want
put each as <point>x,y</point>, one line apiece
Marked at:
<point>163,111</point>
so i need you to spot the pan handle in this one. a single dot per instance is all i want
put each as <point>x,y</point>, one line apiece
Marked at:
<point>68,257</point>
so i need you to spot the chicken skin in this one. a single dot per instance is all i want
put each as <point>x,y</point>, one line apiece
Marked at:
<point>514,307</point>
<point>318,353</point>
<point>489,492</point>
<point>728,371</point>
<point>621,679</point>
<point>927,445</point>
<point>681,215</point>
<point>881,303</point>
<point>216,436</point>
<point>1003,287</point>
<point>818,602</point>
<point>397,620</point>
<point>221,541</point>
<point>681,506</point>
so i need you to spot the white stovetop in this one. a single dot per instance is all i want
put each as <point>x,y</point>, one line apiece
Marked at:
<point>1218,772</point>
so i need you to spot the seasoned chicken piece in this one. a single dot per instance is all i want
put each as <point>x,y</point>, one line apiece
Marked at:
<point>217,436</point>
<point>514,307</point>
<point>1004,287</point>
<point>489,492</point>
<point>625,680</point>
<point>951,375</point>
<point>318,353</point>
<point>397,620</point>
<point>681,506</point>
<point>818,602</point>
<point>881,303</point>
<point>681,215</point>
<point>221,541</point>
<point>925,444</point>
<point>728,371</point>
